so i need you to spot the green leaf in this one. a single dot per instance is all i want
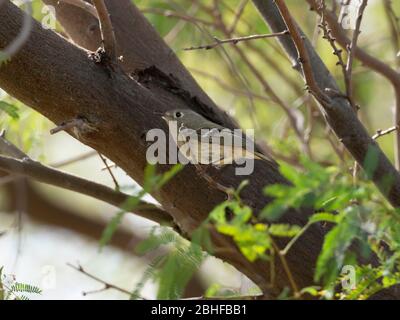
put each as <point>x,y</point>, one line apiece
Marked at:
<point>110,229</point>
<point>335,245</point>
<point>10,109</point>
<point>323,217</point>
<point>212,290</point>
<point>284,230</point>
<point>371,161</point>
<point>130,204</point>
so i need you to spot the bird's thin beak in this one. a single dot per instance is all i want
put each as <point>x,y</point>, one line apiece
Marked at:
<point>165,118</point>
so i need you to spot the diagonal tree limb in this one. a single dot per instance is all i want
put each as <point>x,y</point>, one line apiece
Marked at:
<point>338,111</point>
<point>367,60</point>
<point>57,79</point>
<point>24,166</point>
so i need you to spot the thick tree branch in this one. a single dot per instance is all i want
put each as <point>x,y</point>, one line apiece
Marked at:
<point>139,45</point>
<point>24,166</point>
<point>337,111</point>
<point>369,61</point>
<point>118,112</point>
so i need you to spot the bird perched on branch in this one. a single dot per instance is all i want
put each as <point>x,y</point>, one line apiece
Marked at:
<point>202,141</point>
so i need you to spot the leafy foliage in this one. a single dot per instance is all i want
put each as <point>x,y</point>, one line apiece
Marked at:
<point>172,270</point>
<point>152,183</point>
<point>356,217</point>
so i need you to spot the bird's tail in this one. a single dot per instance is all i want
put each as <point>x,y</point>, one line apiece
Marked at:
<point>260,156</point>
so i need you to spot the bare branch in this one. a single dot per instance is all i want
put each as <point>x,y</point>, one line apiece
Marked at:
<point>381,133</point>
<point>7,148</point>
<point>219,42</point>
<point>107,167</point>
<point>238,14</point>
<point>68,125</point>
<point>351,50</point>
<point>25,166</point>
<point>369,61</point>
<point>177,15</point>
<point>107,30</point>
<point>303,55</point>
<point>81,157</point>
<point>106,284</point>
<point>337,109</point>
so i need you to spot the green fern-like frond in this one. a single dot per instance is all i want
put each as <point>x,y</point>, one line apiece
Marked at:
<point>149,274</point>
<point>158,237</point>
<point>25,288</point>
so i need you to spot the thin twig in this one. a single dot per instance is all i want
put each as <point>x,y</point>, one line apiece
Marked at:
<point>351,54</point>
<point>394,24</point>
<point>264,83</point>
<point>177,15</point>
<point>256,297</point>
<point>67,162</point>
<point>219,42</point>
<point>303,58</point>
<point>229,88</point>
<point>381,133</point>
<point>68,125</point>
<point>327,34</point>
<point>106,284</point>
<point>104,160</point>
<point>238,15</point>
<point>370,62</point>
<point>349,71</point>
<point>9,149</point>
<point>286,267</point>
<point>107,30</point>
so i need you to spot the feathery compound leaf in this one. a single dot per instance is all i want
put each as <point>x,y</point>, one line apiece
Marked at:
<point>335,245</point>
<point>252,240</point>
<point>149,274</point>
<point>155,240</point>
<point>152,182</point>
<point>177,271</point>
<point>25,288</point>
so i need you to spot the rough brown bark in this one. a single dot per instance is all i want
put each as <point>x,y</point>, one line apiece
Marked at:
<point>58,80</point>
<point>339,113</point>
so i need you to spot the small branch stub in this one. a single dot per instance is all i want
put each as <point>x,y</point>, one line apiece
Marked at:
<point>107,30</point>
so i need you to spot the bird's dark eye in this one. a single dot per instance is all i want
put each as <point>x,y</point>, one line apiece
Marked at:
<point>178,114</point>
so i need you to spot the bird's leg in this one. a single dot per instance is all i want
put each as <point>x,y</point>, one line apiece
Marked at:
<point>211,181</point>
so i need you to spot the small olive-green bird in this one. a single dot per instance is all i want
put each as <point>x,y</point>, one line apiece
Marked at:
<point>206,150</point>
